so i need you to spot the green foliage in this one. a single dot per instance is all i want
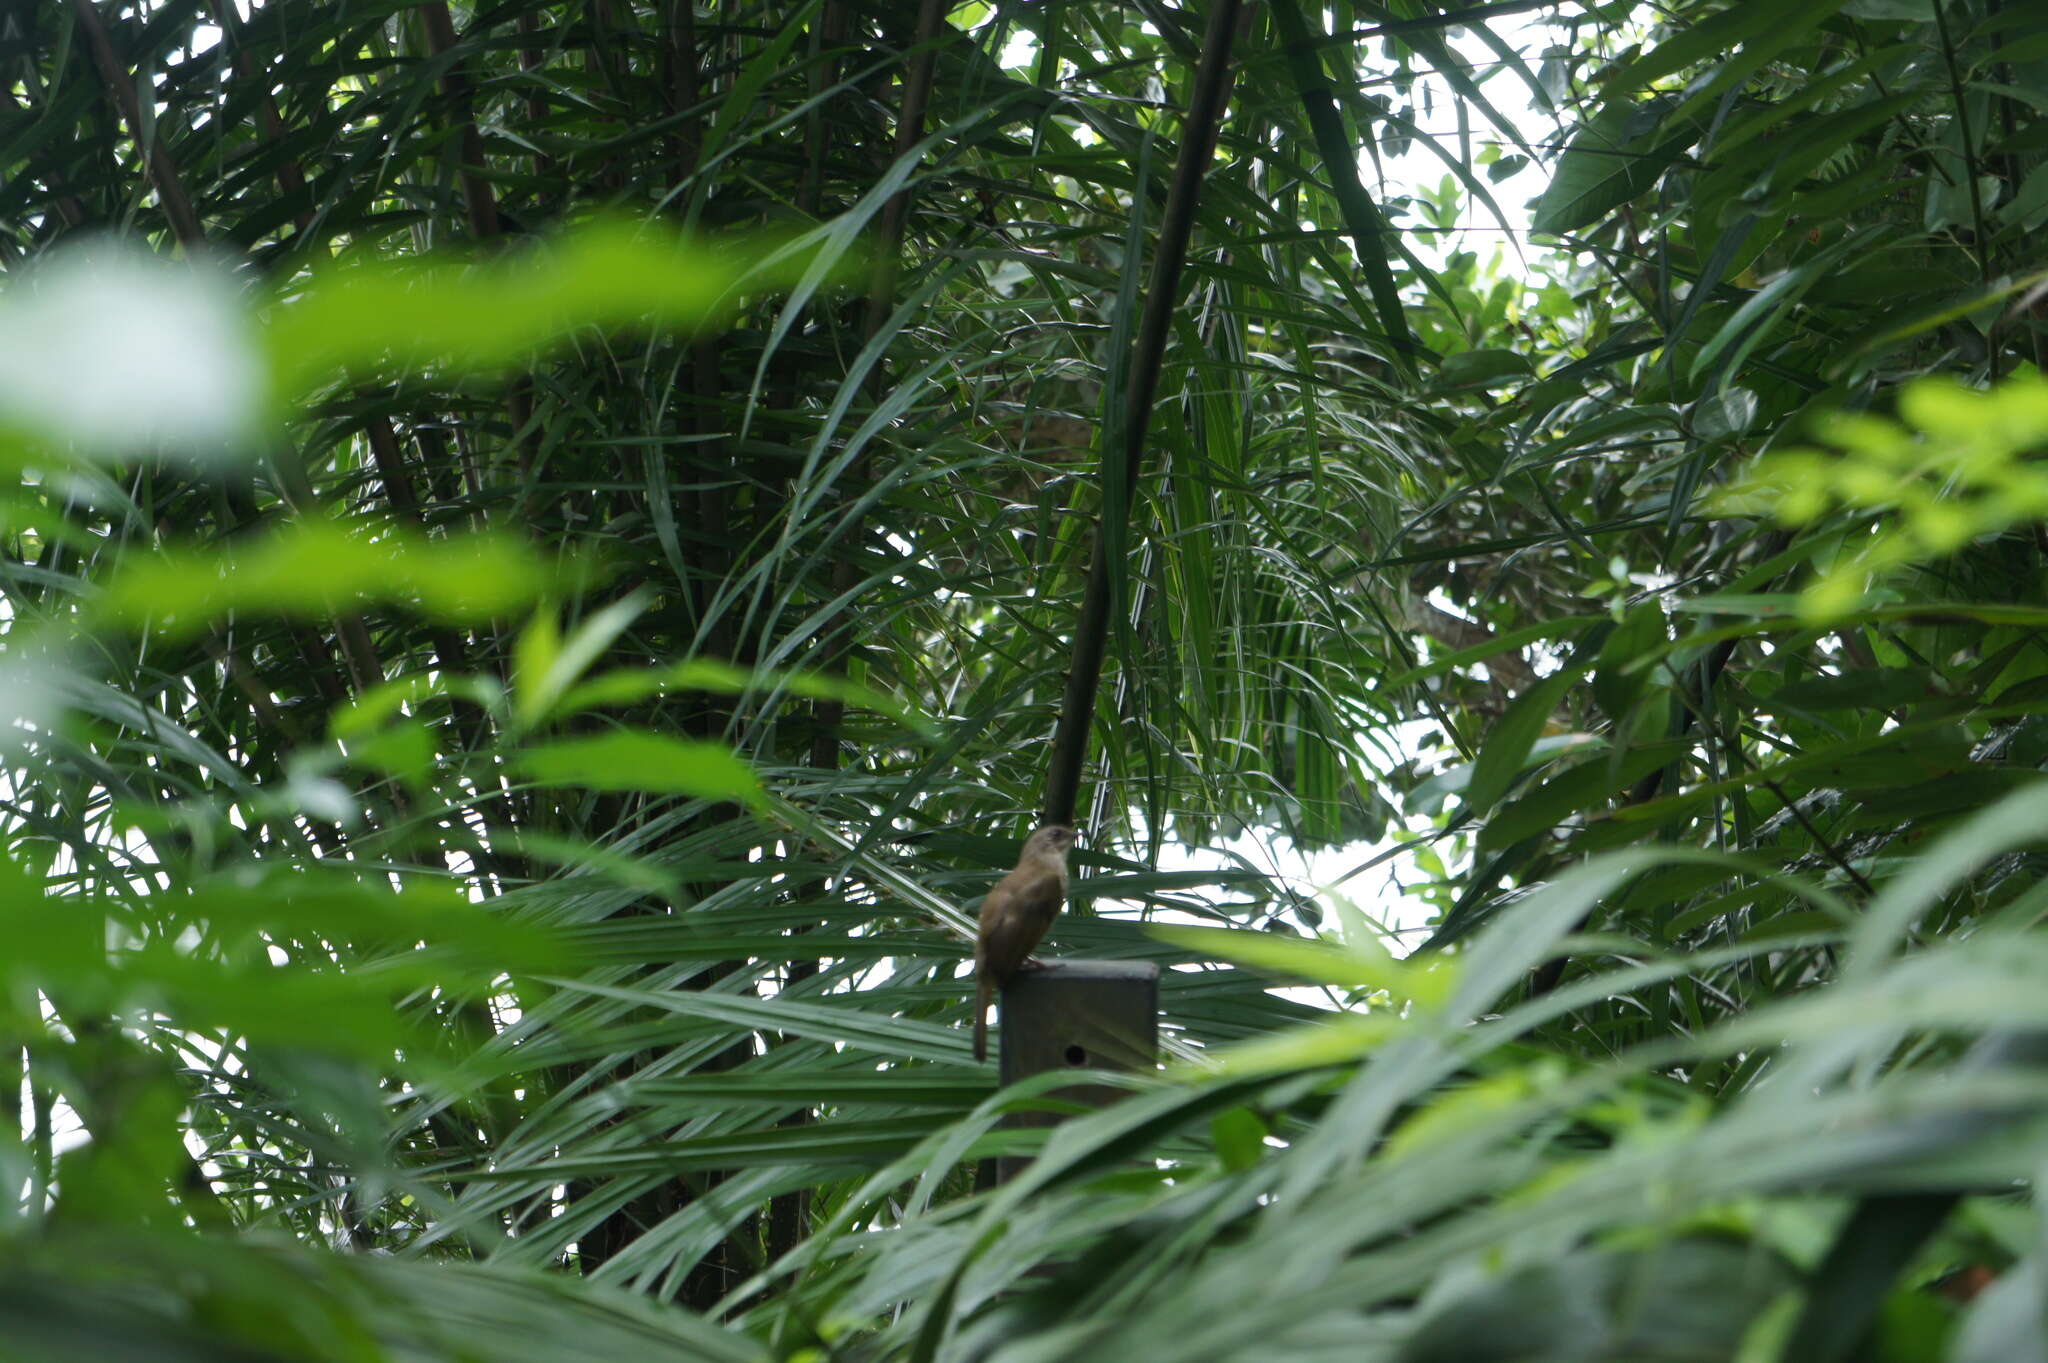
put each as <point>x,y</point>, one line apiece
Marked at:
<point>1955,474</point>
<point>623,759</point>
<point>315,571</point>
<point>370,317</point>
<point>522,647</point>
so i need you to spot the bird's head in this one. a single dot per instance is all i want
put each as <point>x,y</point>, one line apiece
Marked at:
<point>1053,839</point>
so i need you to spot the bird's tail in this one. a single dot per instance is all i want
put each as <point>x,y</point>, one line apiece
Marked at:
<point>981,983</point>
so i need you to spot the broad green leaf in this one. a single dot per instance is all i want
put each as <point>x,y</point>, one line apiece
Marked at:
<point>1608,162</point>
<point>1359,964</point>
<point>1343,1039</point>
<point>393,316</point>
<point>319,570</point>
<point>635,760</point>
<point>1509,742</point>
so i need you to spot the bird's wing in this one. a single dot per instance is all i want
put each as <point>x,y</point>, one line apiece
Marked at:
<point>1006,945</point>
<point>1016,916</point>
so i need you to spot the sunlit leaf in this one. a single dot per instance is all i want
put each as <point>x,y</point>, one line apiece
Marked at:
<point>634,760</point>
<point>319,570</point>
<point>393,316</point>
<point>626,686</point>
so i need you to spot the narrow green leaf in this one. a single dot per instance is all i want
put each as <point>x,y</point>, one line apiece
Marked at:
<point>1882,688</point>
<point>1370,236</point>
<point>629,685</point>
<point>1508,743</point>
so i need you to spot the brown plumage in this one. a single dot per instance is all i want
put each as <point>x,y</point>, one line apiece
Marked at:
<point>1015,916</point>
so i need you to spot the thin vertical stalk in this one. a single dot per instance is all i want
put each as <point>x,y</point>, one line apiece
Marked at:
<point>481,204</point>
<point>1206,100</point>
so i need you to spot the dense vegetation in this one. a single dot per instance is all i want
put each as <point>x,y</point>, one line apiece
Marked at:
<point>551,551</point>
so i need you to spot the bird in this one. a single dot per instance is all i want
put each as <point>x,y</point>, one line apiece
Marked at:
<point>1015,916</point>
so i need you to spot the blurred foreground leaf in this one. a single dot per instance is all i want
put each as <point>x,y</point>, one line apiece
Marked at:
<point>317,570</point>
<point>367,318</point>
<point>626,759</point>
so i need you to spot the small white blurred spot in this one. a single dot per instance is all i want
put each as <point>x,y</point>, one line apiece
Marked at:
<point>114,351</point>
